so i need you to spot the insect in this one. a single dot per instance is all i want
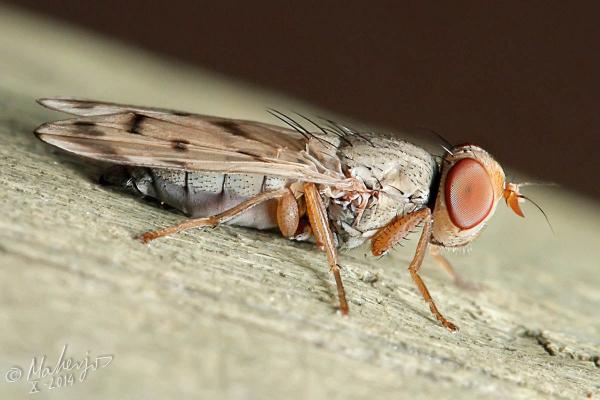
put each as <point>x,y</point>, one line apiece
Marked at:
<point>331,184</point>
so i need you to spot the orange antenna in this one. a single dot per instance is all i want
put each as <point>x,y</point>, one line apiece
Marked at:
<point>511,195</point>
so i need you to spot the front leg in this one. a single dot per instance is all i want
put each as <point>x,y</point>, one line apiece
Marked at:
<point>397,230</point>
<point>446,266</point>
<point>319,222</point>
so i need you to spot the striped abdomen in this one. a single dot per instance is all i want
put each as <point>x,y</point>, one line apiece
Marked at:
<point>202,194</point>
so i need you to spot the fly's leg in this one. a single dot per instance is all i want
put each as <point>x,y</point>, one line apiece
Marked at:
<point>288,214</point>
<point>414,272</point>
<point>446,266</point>
<point>319,222</point>
<point>443,262</point>
<point>391,234</point>
<point>396,231</point>
<point>214,220</point>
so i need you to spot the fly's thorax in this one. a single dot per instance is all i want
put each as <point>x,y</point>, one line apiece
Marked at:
<point>399,173</point>
<point>471,184</point>
<point>385,162</point>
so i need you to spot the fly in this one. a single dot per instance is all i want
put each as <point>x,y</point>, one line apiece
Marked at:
<point>337,187</point>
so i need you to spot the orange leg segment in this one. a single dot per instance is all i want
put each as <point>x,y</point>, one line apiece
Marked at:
<point>391,234</point>
<point>396,231</point>
<point>214,220</point>
<point>288,214</point>
<point>319,222</point>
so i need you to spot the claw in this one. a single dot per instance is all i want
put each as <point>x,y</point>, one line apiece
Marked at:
<point>449,325</point>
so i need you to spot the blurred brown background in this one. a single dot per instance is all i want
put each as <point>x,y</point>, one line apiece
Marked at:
<point>520,79</point>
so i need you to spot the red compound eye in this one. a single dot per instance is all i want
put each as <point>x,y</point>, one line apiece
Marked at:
<point>469,193</point>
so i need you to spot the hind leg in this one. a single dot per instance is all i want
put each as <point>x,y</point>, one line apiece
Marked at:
<point>215,219</point>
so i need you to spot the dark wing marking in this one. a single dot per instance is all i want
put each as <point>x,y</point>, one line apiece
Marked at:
<point>159,138</point>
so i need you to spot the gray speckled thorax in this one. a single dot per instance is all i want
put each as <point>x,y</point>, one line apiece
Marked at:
<point>400,174</point>
<point>403,175</point>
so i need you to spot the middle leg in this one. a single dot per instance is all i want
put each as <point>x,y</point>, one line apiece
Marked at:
<point>319,222</point>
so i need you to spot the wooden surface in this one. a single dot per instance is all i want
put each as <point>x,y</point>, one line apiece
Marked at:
<point>238,314</point>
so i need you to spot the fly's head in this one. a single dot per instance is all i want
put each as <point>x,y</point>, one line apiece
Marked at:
<point>471,185</point>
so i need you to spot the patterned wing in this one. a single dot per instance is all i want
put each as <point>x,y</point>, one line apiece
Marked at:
<point>159,138</point>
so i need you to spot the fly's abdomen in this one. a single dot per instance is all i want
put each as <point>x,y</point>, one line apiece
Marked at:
<point>202,194</point>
